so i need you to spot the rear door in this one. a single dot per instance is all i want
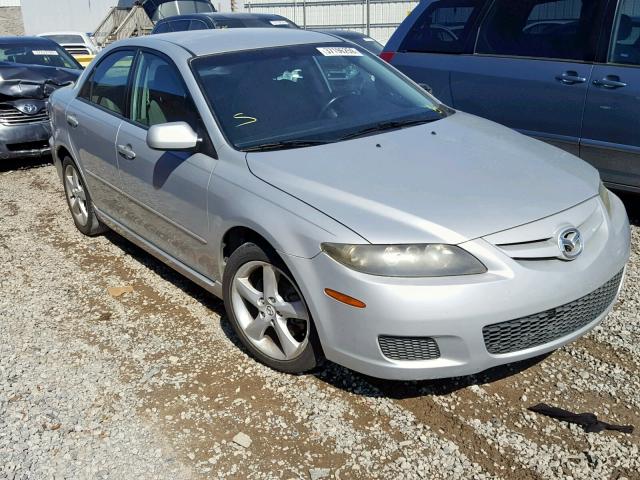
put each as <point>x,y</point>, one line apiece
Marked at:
<point>611,129</point>
<point>532,63</point>
<point>434,41</point>
<point>167,189</point>
<point>94,118</point>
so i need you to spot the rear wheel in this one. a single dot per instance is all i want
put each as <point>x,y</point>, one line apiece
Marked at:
<point>268,312</point>
<point>79,200</point>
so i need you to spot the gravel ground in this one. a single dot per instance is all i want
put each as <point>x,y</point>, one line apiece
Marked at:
<point>151,384</point>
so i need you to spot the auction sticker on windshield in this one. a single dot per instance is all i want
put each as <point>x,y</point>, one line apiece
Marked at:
<point>44,52</point>
<point>339,52</point>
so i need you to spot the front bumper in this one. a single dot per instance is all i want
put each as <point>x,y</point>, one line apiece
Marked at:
<point>25,141</point>
<point>454,310</point>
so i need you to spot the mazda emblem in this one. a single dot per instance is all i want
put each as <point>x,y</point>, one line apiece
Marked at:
<point>570,243</point>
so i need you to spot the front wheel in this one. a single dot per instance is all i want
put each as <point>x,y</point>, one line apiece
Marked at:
<point>268,312</point>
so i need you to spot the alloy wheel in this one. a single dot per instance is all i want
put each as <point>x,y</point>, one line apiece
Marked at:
<point>76,195</point>
<point>270,310</point>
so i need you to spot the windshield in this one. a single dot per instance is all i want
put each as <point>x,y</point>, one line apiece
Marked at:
<point>48,55</point>
<point>368,43</point>
<point>65,39</point>
<point>308,93</point>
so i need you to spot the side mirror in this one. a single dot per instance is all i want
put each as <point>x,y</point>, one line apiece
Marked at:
<point>172,136</point>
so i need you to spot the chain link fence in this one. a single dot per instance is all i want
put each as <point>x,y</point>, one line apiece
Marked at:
<point>376,18</point>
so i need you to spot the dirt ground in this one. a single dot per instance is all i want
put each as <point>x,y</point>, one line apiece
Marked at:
<point>154,382</point>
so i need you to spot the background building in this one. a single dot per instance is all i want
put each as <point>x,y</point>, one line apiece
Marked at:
<point>11,18</point>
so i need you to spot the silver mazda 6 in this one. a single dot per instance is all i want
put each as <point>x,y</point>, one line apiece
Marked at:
<point>339,210</point>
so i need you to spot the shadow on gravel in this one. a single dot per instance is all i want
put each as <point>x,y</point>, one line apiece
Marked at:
<point>632,202</point>
<point>358,384</point>
<point>24,163</point>
<point>166,273</point>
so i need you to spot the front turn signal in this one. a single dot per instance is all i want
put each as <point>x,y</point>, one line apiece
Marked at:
<point>343,298</point>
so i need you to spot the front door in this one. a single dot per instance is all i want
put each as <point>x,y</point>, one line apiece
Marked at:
<point>531,68</point>
<point>611,131</point>
<point>167,189</point>
<point>94,118</point>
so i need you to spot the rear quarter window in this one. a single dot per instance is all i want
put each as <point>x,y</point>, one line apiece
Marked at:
<point>444,27</point>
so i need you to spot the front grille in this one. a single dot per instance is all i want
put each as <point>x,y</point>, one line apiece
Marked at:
<point>535,330</point>
<point>13,116</point>
<point>409,348</point>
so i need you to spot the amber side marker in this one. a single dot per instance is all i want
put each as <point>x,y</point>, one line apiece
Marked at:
<point>346,299</point>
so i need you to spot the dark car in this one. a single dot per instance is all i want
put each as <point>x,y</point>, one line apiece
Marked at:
<point>207,21</point>
<point>563,71</point>
<point>30,70</point>
<point>356,37</point>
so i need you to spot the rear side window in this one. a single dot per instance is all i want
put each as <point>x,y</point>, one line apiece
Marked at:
<point>107,86</point>
<point>625,45</point>
<point>444,27</point>
<point>180,25</point>
<point>563,30</point>
<point>162,28</point>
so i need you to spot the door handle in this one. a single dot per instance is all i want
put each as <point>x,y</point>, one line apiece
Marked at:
<point>570,78</point>
<point>126,151</point>
<point>72,121</point>
<point>610,81</point>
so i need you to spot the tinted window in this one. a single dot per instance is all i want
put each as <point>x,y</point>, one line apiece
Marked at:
<point>444,27</point>
<point>47,54</point>
<point>306,92</point>
<point>198,25</point>
<point>565,29</point>
<point>107,85</point>
<point>625,46</point>
<point>180,25</point>
<point>62,39</point>
<point>161,28</point>
<point>159,94</point>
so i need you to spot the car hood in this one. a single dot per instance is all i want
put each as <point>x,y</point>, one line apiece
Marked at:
<point>33,81</point>
<point>450,181</point>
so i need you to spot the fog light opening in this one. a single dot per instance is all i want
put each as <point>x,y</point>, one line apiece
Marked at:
<point>346,299</point>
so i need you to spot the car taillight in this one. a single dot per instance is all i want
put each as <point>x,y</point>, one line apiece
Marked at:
<point>387,56</point>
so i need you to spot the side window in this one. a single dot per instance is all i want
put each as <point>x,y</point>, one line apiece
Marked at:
<point>198,25</point>
<point>562,29</point>
<point>159,94</point>
<point>625,44</point>
<point>107,85</point>
<point>162,28</point>
<point>444,27</point>
<point>180,25</point>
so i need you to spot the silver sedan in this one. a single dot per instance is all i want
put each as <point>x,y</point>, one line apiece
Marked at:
<point>339,210</point>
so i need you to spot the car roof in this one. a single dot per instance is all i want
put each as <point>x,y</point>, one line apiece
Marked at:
<point>26,40</point>
<point>222,16</point>
<point>208,42</point>
<point>62,33</point>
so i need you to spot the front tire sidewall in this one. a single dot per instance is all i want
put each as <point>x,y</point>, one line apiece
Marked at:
<point>311,356</point>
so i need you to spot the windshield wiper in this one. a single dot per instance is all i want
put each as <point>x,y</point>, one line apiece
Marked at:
<point>384,126</point>
<point>284,145</point>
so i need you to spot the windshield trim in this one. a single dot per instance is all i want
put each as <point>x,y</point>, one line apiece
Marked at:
<point>446,110</point>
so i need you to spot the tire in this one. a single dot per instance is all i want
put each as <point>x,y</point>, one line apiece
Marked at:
<point>79,200</point>
<point>275,326</point>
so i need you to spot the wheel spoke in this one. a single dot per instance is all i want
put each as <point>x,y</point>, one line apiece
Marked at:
<point>270,282</point>
<point>256,329</point>
<point>295,309</point>
<point>69,184</point>
<point>80,193</point>
<point>289,344</point>
<point>75,205</point>
<point>247,291</point>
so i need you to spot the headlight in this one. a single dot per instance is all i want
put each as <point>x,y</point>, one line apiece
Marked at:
<point>427,260</point>
<point>604,196</point>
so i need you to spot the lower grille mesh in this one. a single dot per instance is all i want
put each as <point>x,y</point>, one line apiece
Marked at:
<point>409,348</point>
<point>535,330</point>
